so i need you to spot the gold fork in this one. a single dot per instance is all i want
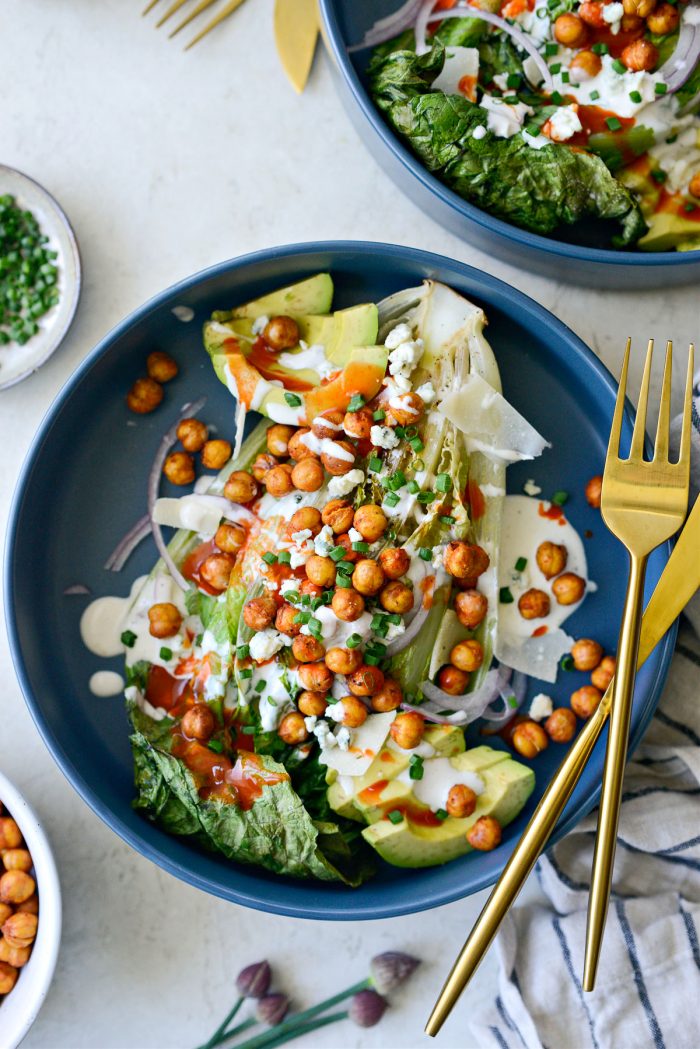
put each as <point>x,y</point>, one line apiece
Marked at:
<point>643,504</point>
<point>175,6</point>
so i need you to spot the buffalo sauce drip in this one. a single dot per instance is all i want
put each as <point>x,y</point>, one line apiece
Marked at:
<point>414,813</point>
<point>265,360</point>
<point>474,499</point>
<point>554,513</point>
<point>193,563</point>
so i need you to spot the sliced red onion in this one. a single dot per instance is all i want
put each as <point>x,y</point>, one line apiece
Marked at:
<point>126,546</point>
<point>390,26</point>
<point>515,690</point>
<point>409,634</point>
<point>77,588</point>
<point>678,67</point>
<point>473,704</point>
<point>427,712</point>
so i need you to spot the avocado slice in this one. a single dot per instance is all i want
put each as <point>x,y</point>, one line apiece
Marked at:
<point>313,295</point>
<point>669,231</point>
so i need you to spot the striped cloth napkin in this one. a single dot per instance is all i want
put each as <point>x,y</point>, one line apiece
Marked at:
<point>648,986</point>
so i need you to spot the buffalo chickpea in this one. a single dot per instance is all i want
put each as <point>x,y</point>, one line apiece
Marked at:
<point>465,560</point>
<point>191,433</point>
<point>584,701</point>
<point>551,559</point>
<point>365,681</point>
<point>461,801</point>
<point>485,834</point>
<point>591,12</point>
<point>404,410</point>
<point>453,680</point>
<point>306,517</point>
<point>10,834</point>
<point>529,739</point>
<point>389,697</point>
<point>312,704</point>
<point>215,454</point>
<point>315,677</point>
<point>307,649</point>
<point>347,604</point>
<point>694,185</point>
<point>346,542</point>
<point>568,588</point>
<point>640,55</point>
<point>5,912</point>
<point>358,424</point>
<point>354,711</point>
<point>603,673</point>
<point>262,464</point>
<point>570,31</point>
<point>396,597</point>
<point>164,619</point>
<point>278,437</point>
<point>632,24</point>
<point>641,8</point>
<point>340,459</point>
<point>8,977</point>
<point>292,728</point>
<point>339,514</point>
<point>241,487</point>
<point>312,589</point>
<point>281,333</point>
<point>16,886</point>
<point>179,468</point>
<point>370,521</point>
<point>320,570</point>
<point>394,562</point>
<point>560,726</point>
<point>198,722</point>
<point>259,613</point>
<point>593,491</point>
<point>343,660</point>
<point>586,64</point>
<point>328,423</point>
<point>407,729</point>
<point>278,481</point>
<point>161,367</point>
<point>285,620</point>
<point>534,604</point>
<point>307,475</point>
<point>144,396</point>
<point>467,655</point>
<point>216,570</point>
<point>368,577</point>
<point>230,537</point>
<point>662,20</point>
<point>297,447</point>
<point>470,608</point>
<point>30,906</point>
<point>17,956</point>
<point>586,653</point>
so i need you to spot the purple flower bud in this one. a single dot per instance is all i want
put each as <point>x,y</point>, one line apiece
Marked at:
<point>272,1009</point>
<point>367,1008</point>
<point>254,980</point>
<point>391,969</point>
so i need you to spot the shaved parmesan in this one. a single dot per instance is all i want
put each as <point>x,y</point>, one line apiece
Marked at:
<point>535,656</point>
<point>490,424</point>
<point>459,73</point>
<point>366,742</point>
<point>198,513</point>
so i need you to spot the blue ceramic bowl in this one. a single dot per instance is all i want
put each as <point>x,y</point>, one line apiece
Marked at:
<point>344,23</point>
<point>84,484</point>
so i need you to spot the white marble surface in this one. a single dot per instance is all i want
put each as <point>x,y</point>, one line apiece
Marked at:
<point>167,162</point>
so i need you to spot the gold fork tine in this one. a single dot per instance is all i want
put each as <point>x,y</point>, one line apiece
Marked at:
<point>201,6</point>
<point>684,456</point>
<point>640,422</point>
<point>175,6</point>
<point>616,428</point>
<point>661,442</point>
<point>224,13</point>
<point>149,7</point>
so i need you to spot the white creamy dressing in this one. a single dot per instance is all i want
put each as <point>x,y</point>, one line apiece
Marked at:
<point>308,357</point>
<point>613,88</point>
<point>439,776</point>
<point>503,119</point>
<point>106,683</point>
<point>460,63</point>
<point>327,446</point>
<point>680,160</point>
<point>199,513</point>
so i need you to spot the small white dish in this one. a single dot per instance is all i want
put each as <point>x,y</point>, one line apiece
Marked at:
<point>19,1009</point>
<point>19,362</point>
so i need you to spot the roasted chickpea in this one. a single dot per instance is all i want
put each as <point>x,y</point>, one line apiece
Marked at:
<point>312,589</point>
<point>560,726</point>
<point>358,424</point>
<point>662,20</point>
<point>312,704</point>
<point>591,13</point>
<point>586,654</point>
<point>407,729</point>
<point>603,673</point>
<point>320,570</point>
<point>404,410</point>
<point>278,437</point>
<point>191,433</point>
<point>278,481</point>
<point>396,597</point>
<point>292,728</point>
<point>593,490</point>
<point>307,649</point>
<point>586,64</point>
<point>328,423</point>
<point>5,912</point>
<point>452,680</point>
<point>144,396</point>
<point>164,619</point>
<point>347,604</point>
<point>198,722</point>
<point>485,834</point>
<point>641,8</point>
<point>346,542</point>
<point>334,463</point>
<point>306,517</point>
<point>534,604</point>
<point>467,655</point>
<point>281,333</point>
<point>262,464</point>
<point>568,588</point>
<point>161,367</point>
<point>16,886</point>
<point>315,677</point>
<point>343,660</point>
<point>10,834</point>
<point>284,620</point>
<point>394,562</point>
<point>8,977</point>
<point>570,31</point>
<point>297,448</point>
<point>216,570</point>
<point>241,487</point>
<point>370,521</point>
<point>365,681</point>
<point>640,55</point>
<point>529,739</point>
<point>470,608</point>
<point>259,613</point>
<point>339,514</point>
<point>368,577</point>
<point>584,701</point>
<point>354,711</point>
<point>461,801</point>
<point>307,475</point>
<point>17,956</point>
<point>694,185</point>
<point>551,559</point>
<point>389,697</point>
<point>179,468</point>
<point>464,560</point>
<point>230,537</point>
<point>30,906</point>
<point>215,454</point>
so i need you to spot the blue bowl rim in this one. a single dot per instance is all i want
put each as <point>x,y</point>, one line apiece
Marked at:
<point>532,241</point>
<point>349,907</point>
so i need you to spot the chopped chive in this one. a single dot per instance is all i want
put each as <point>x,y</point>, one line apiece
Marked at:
<point>613,123</point>
<point>302,617</point>
<point>559,498</point>
<point>413,487</point>
<point>532,130</point>
<point>567,663</point>
<point>415,767</point>
<point>344,582</point>
<point>594,96</point>
<point>357,401</point>
<point>555,67</point>
<point>520,564</point>
<point>400,431</point>
<point>129,638</point>
<point>292,400</point>
<point>377,648</point>
<point>395,816</point>
<point>337,553</point>
<point>441,814</point>
<point>660,88</point>
<point>345,567</point>
<point>556,98</point>
<point>269,558</point>
<point>315,627</point>
<point>379,415</point>
<point>284,557</point>
<point>245,673</point>
<point>512,702</point>
<point>305,600</point>
<point>418,465</point>
<point>600,49</point>
<point>619,66</point>
<point>426,497</point>
<point>353,641</point>
<point>260,686</point>
<point>247,730</point>
<point>689,206</point>
<point>426,553</point>
<point>361,547</point>
<point>316,602</point>
<point>391,499</point>
<point>565,78</point>
<point>326,597</point>
<point>375,464</point>
<point>659,176</point>
<point>635,96</point>
<point>443,483</point>
<point>505,596</point>
<point>416,444</point>
<point>166,654</point>
<point>448,519</point>
<point>513,80</point>
<point>216,746</point>
<point>243,651</point>
<point>394,618</point>
<point>371,660</point>
<point>551,49</point>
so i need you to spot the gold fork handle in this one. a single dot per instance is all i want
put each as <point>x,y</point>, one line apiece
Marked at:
<point>614,769</point>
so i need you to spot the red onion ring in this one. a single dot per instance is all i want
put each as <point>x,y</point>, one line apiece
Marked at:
<point>426,712</point>
<point>409,634</point>
<point>77,588</point>
<point>678,67</point>
<point>390,26</point>
<point>126,546</point>
<point>516,690</point>
<point>473,704</point>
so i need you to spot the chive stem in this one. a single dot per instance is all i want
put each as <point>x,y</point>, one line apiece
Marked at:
<point>291,1024</point>
<point>217,1035</point>
<point>277,1036</point>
